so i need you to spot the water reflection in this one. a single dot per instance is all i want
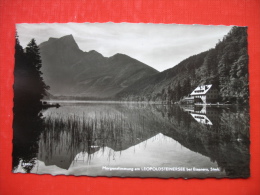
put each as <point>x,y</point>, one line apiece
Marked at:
<point>27,129</point>
<point>93,135</point>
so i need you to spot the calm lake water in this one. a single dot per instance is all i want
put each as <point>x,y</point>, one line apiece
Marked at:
<point>137,140</point>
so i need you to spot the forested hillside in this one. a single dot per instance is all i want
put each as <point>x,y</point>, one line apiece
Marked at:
<point>225,66</point>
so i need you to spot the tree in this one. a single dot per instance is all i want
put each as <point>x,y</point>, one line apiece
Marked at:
<point>186,88</point>
<point>29,89</point>
<point>21,79</point>
<point>37,85</point>
<point>178,92</point>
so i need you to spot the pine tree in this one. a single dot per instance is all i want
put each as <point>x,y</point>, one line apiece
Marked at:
<point>21,78</point>
<point>29,87</point>
<point>37,86</point>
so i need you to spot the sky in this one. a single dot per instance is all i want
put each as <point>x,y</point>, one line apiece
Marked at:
<point>160,46</point>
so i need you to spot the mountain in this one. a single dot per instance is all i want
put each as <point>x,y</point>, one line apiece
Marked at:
<point>173,80</point>
<point>225,67</point>
<point>71,72</point>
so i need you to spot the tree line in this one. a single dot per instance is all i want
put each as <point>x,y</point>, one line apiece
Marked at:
<point>225,67</point>
<point>29,87</point>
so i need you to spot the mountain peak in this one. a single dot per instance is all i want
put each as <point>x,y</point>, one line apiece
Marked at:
<point>71,72</point>
<point>67,37</point>
<point>94,53</point>
<point>67,40</point>
<point>119,54</point>
<point>52,39</point>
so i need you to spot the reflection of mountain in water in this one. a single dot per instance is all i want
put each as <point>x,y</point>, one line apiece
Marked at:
<point>122,126</point>
<point>158,151</point>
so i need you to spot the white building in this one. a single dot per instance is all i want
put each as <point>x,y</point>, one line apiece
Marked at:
<point>201,119</point>
<point>205,94</point>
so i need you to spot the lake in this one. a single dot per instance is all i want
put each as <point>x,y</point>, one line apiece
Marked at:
<point>136,140</point>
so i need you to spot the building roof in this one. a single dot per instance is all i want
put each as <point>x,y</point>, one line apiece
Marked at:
<point>202,119</point>
<point>201,90</point>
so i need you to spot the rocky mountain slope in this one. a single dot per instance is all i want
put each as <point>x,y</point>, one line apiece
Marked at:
<point>71,72</point>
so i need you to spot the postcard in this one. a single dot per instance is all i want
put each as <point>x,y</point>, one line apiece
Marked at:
<point>131,100</point>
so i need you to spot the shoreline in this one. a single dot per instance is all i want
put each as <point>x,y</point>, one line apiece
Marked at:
<point>53,103</point>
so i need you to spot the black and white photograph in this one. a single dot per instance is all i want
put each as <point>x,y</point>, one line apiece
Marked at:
<point>131,100</point>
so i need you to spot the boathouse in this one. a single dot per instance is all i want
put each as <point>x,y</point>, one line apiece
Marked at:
<point>205,94</point>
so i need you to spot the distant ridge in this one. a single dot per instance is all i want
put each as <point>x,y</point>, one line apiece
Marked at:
<point>71,72</point>
<point>225,67</point>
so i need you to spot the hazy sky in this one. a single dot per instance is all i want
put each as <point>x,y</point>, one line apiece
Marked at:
<point>161,46</point>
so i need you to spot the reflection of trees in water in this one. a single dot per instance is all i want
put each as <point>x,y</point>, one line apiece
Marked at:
<point>226,142</point>
<point>68,136</point>
<point>27,130</point>
<point>29,89</point>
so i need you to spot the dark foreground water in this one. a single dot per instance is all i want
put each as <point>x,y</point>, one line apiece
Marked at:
<point>133,140</point>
